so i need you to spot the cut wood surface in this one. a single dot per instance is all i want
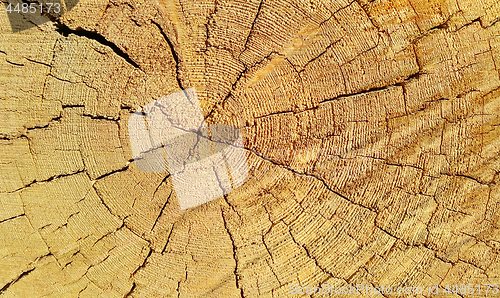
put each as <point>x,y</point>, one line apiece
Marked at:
<point>371,131</point>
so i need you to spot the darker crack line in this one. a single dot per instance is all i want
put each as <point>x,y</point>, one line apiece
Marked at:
<point>224,192</point>
<point>492,24</point>
<point>274,114</point>
<point>486,209</point>
<point>340,97</point>
<point>160,184</point>
<point>493,57</point>
<point>265,244</point>
<point>320,54</point>
<point>168,239</point>
<point>401,165</point>
<point>482,241</point>
<point>301,174</point>
<point>24,274</point>
<point>178,288</point>
<point>310,256</point>
<point>245,46</point>
<point>65,225</point>
<point>274,273</point>
<point>297,72</point>
<point>36,230</point>
<point>391,235</point>
<point>457,211</point>
<point>477,20</point>
<point>143,264</point>
<point>173,52</point>
<point>309,175</point>
<point>242,268</point>
<point>99,195</point>
<point>14,63</point>
<point>50,72</point>
<point>132,289</point>
<point>83,81</point>
<point>66,31</point>
<point>377,43</point>
<point>99,263</point>
<point>363,92</point>
<point>60,79</point>
<point>113,172</point>
<point>423,245</point>
<point>47,180</point>
<point>467,177</point>
<point>245,71</point>
<point>236,275</point>
<point>483,270</point>
<point>106,235</point>
<point>321,150</point>
<point>55,119</point>
<point>233,87</point>
<point>11,218</point>
<point>38,62</point>
<point>401,84</point>
<point>72,106</point>
<point>443,26</point>
<point>79,292</point>
<point>98,117</point>
<point>162,209</point>
<point>270,228</point>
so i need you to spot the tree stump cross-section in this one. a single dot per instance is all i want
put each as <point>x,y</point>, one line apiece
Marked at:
<point>370,131</point>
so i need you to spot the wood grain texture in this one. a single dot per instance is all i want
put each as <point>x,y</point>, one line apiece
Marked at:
<point>371,130</point>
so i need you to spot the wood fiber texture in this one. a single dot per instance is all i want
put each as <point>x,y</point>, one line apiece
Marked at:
<point>371,131</point>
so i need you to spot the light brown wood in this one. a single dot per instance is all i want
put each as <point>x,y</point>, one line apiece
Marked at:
<point>371,131</point>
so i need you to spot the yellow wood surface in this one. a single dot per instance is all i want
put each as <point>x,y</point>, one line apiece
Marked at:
<point>372,136</point>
